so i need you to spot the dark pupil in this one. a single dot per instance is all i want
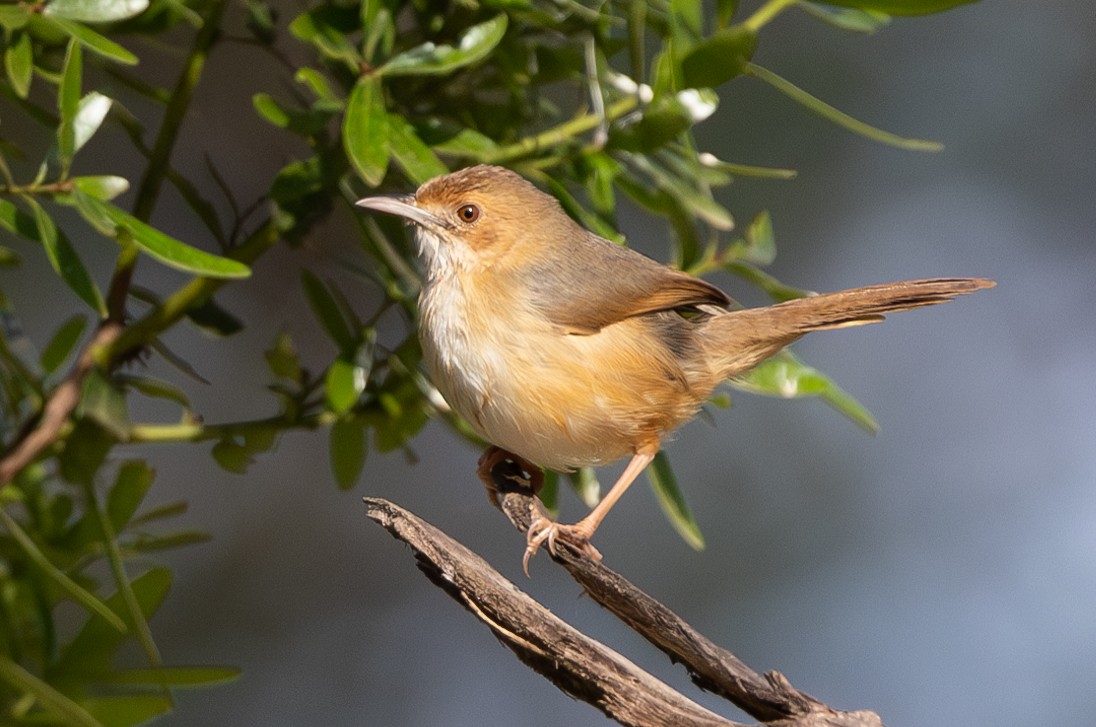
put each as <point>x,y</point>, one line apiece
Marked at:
<point>468,213</point>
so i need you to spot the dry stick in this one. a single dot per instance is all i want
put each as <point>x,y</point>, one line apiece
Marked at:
<point>577,664</point>
<point>770,698</point>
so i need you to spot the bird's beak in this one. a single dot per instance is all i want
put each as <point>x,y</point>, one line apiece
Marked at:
<point>403,206</point>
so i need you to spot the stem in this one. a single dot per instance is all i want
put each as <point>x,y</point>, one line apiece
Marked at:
<point>562,133</point>
<point>765,13</point>
<point>193,432</point>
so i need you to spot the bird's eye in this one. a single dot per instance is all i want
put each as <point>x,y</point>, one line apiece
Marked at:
<point>468,213</point>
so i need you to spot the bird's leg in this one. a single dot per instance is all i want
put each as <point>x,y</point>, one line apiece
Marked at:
<point>578,535</point>
<point>492,457</point>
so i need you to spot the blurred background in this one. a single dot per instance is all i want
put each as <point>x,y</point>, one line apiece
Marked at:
<point>942,571</point>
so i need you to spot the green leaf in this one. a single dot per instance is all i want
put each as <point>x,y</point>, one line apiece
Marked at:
<point>68,102</point>
<point>128,710</point>
<point>19,63</point>
<point>840,118</point>
<point>344,383</point>
<point>347,449</point>
<point>171,252</point>
<point>176,675</point>
<point>104,403</point>
<point>328,28</point>
<point>365,130</point>
<point>154,388</point>
<point>412,155</point>
<point>430,59</point>
<point>901,7</point>
<point>92,650</point>
<point>64,259</point>
<point>55,574</point>
<point>95,11</point>
<point>858,21</point>
<point>129,490</point>
<point>328,312</point>
<point>86,37</point>
<point>15,16</point>
<point>105,187</point>
<point>51,700</point>
<point>214,320</point>
<point>673,503</point>
<point>549,493</point>
<point>758,245</point>
<point>719,58</point>
<point>786,376</point>
<point>62,343</point>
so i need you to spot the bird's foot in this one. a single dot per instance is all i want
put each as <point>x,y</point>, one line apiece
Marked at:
<point>545,530</point>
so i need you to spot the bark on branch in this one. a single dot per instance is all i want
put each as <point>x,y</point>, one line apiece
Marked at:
<point>583,667</point>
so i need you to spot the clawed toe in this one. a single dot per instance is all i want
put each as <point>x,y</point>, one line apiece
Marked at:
<point>544,530</point>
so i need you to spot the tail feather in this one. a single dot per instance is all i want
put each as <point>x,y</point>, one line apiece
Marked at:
<point>738,340</point>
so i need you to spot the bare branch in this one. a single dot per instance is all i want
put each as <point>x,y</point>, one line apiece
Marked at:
<point>577,664</point>
<point>769,698</point>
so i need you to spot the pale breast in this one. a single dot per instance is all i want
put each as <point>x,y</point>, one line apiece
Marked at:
<point>559,400</point>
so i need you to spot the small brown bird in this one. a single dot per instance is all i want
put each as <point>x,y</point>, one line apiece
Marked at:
<point>567,350</point>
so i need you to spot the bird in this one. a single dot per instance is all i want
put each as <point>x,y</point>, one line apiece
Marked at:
<point>563,349</point>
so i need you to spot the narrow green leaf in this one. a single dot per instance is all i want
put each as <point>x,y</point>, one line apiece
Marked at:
<point>786,376</point>
<point>901,7</point>
<point>214,319</point>
<point>776,289</point>
<point>75,591</point>
<point>62,256</point>
<point>105,187</point>
<point>86,37</point>
<point>51,700</point>
<point>412,155</point>
<point>327,311</point>
<point>857,21</point>
<point>549,493</point>
<point>171,252</point>
<point>673,503</point>
<point>68,102</point>
<point>328,29</point>
<point>176,675</point>
<point>92,650</point>
<point>154,388</point>
<point>840,118</point>
<point>8,257</point>
<point>232,457</point>
<point>365,130</point>
<point>347,448</point>
<point>128,492</point>
<point>62,343</point>
<point>168,541</point>
<point>430,59</point>
<point>270,109</point>
<point>19,63</point>
<point>95,11</point>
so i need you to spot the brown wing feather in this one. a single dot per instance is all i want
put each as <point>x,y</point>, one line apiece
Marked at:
<point>598,283</point>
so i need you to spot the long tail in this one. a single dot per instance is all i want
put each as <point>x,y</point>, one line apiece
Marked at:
<point>738,340</point>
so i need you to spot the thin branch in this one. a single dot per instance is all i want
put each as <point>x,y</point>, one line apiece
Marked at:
<point>62,402</point>
<point>577,664</point>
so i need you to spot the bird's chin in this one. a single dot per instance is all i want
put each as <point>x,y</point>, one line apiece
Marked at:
<point>441,255</point>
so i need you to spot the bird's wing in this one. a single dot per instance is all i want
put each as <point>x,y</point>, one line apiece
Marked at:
<point>598,283</point>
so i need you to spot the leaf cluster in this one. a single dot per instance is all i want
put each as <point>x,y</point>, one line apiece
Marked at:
<point>596,101</point>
